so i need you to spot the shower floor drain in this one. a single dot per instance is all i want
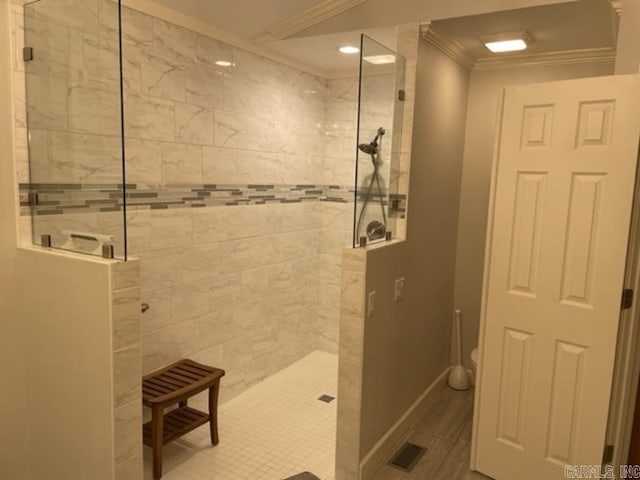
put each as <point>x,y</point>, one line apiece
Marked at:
<point>407,457</point>
<point>327,398</point>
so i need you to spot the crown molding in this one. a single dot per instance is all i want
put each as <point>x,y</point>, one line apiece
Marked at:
<point>447,46</point>
<point>306,19</point>
<point>617,6</point>
<point>458,53</point>
<point>567,57</point>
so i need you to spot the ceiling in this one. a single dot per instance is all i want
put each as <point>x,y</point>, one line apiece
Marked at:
<point>554,25</point>
<point>244,18</point>
<point>322,51</point>
<point>587,24</point>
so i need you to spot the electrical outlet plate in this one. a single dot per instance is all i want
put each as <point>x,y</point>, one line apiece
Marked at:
<point>371,304</point>
<point>398,290</point>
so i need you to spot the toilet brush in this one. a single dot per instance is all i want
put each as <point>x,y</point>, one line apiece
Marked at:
<point>458,376</point>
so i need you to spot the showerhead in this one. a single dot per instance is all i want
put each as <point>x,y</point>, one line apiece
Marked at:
<point>372,148</point>
<point>369,148</point>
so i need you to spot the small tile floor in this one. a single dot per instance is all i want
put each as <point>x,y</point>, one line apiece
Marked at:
<point>445,430</point>
<point>274,430</point>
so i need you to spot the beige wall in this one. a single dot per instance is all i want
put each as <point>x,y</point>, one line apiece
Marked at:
<point>13,434</point>
<point>57,346</point>
<point>476,178</point>
<point>406,344</point>
<point>67,364</point>
<point>628,54</point>
<point>81,324</point>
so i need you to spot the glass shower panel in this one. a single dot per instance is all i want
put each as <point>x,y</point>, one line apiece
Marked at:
<point>74,119</point>
<point>379,134</point>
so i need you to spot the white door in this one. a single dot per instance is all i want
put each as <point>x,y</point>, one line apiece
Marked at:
<point>563,192</point>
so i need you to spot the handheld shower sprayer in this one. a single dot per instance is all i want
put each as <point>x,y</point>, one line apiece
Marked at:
<point>372,147</point>
<point>375,229</point>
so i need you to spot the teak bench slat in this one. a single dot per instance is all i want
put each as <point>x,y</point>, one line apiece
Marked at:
<point>173,384</point>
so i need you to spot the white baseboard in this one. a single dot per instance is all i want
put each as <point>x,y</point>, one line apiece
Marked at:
<point>382,451</point>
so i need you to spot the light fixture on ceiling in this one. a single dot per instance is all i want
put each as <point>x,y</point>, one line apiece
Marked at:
<point>380,59</point>
<point>507,42</point>
<point>348,49</point>
<point>224,63</point>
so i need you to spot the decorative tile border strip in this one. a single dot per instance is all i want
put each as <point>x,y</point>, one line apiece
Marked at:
<point>398,207</point>
<point>61,198</point>
<point>84,198</point>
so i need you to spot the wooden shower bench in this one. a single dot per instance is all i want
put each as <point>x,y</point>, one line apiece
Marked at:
<point>171,385</point>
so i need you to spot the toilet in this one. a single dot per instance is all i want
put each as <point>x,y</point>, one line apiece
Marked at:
<point>474,365</point>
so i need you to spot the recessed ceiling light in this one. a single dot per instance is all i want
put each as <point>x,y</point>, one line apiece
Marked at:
<point>507,42</point>
<point>380,59</point>
<point>224,63</point>
<point>348,49</point>
<point>506,45</point>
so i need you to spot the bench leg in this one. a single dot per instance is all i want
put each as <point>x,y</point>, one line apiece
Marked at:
<point>183,404</point>
<point>157,423</point>
<point>213,412</point>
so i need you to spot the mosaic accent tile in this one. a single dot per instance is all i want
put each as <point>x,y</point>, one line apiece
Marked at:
<point>56,198</point>
<point>398,205</point>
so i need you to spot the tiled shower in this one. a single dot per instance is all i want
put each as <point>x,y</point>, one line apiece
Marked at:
<point>239,195</point>
<point>241,247</point>
<point>240,236</point>
<point>237,187</point>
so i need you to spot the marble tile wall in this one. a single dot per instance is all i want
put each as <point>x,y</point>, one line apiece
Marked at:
<point>191,120</point>
<point>71,93</point>
<point>408,38</point>
<point>127,369</point>
<point>236,287</point>
<point>336,219</point>
<point>350,363</point>
<point>229,286</point>
<point>251,288</point>
<point>378,103</point>
<point>21,149</point>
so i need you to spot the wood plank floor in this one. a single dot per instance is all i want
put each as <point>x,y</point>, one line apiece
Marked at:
<point>445,430</point>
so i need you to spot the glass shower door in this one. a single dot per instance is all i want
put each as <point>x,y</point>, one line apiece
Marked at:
<point>379,134</point>
<point>74,120</point>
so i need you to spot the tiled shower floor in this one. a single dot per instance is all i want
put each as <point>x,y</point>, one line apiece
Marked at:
<point>273,430</point>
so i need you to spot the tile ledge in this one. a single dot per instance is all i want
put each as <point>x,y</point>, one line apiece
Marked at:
<point>380,245</point>
<point>69,254</point>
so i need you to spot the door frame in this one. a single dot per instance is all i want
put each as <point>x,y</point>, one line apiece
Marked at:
<point>485,275</point>
<point>627,364</point>
<point>626,376</point>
